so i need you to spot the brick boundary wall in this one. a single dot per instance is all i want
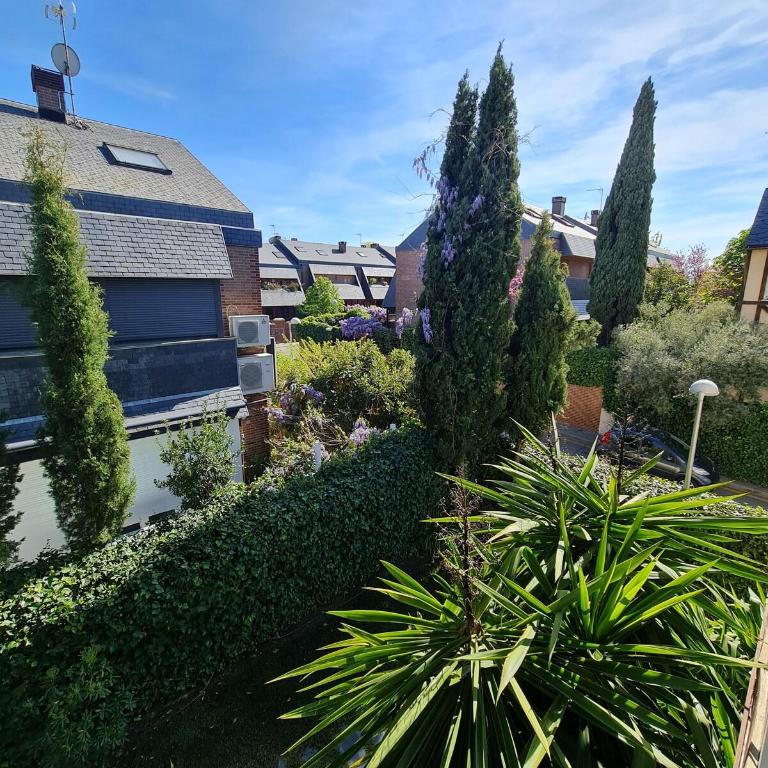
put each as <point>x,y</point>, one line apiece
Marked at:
<point>242,296</point>
<point>583,408</point>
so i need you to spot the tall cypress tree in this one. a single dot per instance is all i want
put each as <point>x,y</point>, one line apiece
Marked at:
<point>87,458</point>
<point>618,278</point>
<point>471,256</point>
<point>544,318</point>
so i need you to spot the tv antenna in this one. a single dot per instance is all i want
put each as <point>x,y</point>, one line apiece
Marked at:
<point>600,190</point>
<point>360,235</point>
<point>64,58</point>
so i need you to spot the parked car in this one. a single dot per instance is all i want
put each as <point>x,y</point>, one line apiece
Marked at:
<point>640,445</point>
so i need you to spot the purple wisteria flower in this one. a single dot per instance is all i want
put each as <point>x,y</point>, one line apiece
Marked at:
<point>377,313</point>
<point>279,415</point>
<point>447,194</point>
<point>359,327</point>
<point>477,203</point>
<point>362,432</point>
<point>448,254</point>
<point>422,260</point>
<point>404,321</point>
<point>312,394</point>
<point>426,327</point>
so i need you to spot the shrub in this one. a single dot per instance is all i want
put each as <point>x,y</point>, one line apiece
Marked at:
<point>166,608</point>
<point>321,297</point>
<point>592,625</point>
<point>10,476</point>
<point>201,459</point>
<point>316,330</point>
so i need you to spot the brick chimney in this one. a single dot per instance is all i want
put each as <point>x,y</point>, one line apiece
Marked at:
<point>558,206</point>
<point>342,246</point>
<point>593,216</point>
<point>49,89</point>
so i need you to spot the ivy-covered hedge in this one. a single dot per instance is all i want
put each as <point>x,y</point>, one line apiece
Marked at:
<point>317,330</point>
<point>595,367</point>
<point>89,646</point>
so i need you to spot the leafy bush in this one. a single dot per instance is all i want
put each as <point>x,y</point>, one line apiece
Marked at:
<point>595,367</point>
<point>591,629</point>
<point>201,459</point>
<point>10,476</point>
<point>316,330</point>
<point>662,354</point>
<point>321,297</point>
<point>163,609</point>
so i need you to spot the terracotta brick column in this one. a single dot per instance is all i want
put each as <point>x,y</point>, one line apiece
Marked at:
<point>242,296</point>
<point>584,407</point>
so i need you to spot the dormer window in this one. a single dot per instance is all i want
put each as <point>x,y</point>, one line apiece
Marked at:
<point>135,158</point>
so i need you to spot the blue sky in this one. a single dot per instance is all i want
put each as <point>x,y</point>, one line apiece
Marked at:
<point>312,111</point>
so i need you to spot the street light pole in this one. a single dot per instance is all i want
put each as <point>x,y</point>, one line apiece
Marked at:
<point>702,388</point>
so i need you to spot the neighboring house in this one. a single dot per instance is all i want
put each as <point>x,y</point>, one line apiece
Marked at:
<point>754,305</point>
<point>175,253</point>
<point>361,274</point>
<point>573,238</point>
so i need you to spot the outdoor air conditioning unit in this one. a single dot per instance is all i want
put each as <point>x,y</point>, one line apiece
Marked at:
<point>250,330</point>
<point>256,373</point>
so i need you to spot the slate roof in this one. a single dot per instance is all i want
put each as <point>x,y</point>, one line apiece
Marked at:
<point>125,246</point>
<point>87,167</point>
<point>305,252</point>
<point>758,235</point>
<point>574,237</point>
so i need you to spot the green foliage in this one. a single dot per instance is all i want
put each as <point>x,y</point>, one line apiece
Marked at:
<point>201,459</point>
<point>171,606</point>
<point>729,269</point>
<point>322,298</point>
<point>472,251</point>
<point>583,335</point>
<point>544,320</point>
<point>595,367</point>
<point>357,381</point>
<point>618,277</point>
<point>314,329</point>
<point>666,285</point>
<point>662,354</point>
<point>10,477</point>
<point>87,459</point>
<point>572,638</point>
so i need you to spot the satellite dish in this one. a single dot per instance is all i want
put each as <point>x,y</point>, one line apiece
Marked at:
<point>60,54</point>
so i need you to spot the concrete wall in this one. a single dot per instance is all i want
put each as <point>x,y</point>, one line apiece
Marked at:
<point>37,526</point>
<point>754,307</point>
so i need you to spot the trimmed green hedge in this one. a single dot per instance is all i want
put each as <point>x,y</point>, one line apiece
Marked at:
<point>317,330</point>
<point>733,439</point>
<point>595,367</point>
<point>91,645</point>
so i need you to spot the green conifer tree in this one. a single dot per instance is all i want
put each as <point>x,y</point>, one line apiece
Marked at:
<point>544,319</point>
<point>322,298</point>
<point>10,476</point>
<point>618,278</point>
<point>87,459</point>
<point>472,252</point>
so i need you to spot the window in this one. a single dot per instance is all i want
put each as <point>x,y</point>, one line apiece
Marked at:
<point>280,284</point>
<point>135,158</point>
<point>378,280</point>
<point>322,253</point>
<point>342,279</point>
<point>362,253</point>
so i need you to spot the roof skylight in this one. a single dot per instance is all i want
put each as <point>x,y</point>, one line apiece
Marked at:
<point>135,158</point>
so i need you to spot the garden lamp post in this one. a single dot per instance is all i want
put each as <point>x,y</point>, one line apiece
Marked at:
<point>293,321</point>
<point>701,388</point>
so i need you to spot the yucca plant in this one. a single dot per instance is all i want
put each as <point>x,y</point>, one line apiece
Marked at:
<point>592,645</point>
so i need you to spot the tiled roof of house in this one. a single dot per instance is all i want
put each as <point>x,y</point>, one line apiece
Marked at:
<point>88,169</point>
<point>304,252</point>
<point>125,246</point>
<point>758,235</point>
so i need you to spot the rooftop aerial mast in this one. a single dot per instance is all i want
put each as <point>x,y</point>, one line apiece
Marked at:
<point>64,58</point>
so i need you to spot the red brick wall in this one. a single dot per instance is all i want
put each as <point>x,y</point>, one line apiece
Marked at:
<point>408,286</point>
<point>584,406</point>
<point>242,296</point>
